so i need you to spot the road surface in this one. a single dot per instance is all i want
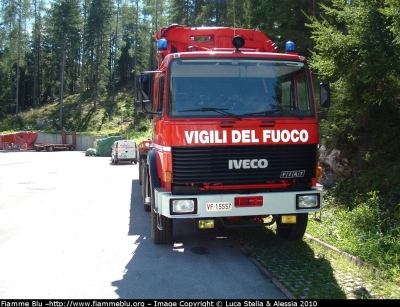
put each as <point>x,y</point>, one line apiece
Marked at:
<point>74,227</point>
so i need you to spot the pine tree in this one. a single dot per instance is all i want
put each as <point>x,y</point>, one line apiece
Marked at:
<point>357,49</point>
<point>66,37</point>
<point>14,40</point>
<point>100,17</point>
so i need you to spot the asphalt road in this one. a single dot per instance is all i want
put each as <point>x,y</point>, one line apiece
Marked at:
<point>73,227</point>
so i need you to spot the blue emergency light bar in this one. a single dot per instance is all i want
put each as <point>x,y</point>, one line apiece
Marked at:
<point>290,47</point>
<point>162,44</point>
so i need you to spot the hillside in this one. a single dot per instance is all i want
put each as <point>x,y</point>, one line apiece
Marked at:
<point>107,119</point>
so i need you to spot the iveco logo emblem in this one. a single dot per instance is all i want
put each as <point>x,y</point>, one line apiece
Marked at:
<point>247,163</point>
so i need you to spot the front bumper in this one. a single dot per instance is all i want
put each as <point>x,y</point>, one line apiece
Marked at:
<point>273,203</point>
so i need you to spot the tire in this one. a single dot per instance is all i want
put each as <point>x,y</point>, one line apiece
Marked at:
<point>293,232</point>
<point>51,148</point>
<point>160,236</point>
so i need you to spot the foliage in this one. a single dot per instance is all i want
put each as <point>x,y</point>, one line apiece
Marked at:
<point>122,121</point>
<point>360,225</point>
<point>355,49</point>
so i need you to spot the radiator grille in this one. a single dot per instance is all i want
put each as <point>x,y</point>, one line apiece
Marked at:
<point>210,164</point>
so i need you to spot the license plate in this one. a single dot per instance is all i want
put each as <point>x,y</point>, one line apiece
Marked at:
<point>123,156</point>
<point>219,206</point>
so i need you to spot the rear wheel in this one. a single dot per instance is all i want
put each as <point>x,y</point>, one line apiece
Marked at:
<point>163,236</point>
<point>293,232</point>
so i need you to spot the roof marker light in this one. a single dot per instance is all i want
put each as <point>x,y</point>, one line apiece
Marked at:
<point>290,47</point>
<point>162,44</point>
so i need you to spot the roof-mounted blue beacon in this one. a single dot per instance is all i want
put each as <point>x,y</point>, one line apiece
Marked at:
<point>290,47</point>
<point>162,44</point>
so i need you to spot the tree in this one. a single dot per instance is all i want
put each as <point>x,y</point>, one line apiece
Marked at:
<point>211,13</point>
<point>358,49</point>
<point>66,35</point>
<point>100,17</point>
<point>14,37</point>
<point>36,49</point>
<point>182,12</point>
<point>284,20</point>
<point>83,54</point>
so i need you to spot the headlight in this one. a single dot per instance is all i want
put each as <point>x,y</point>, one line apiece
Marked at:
<point>183,206</point>
<point>307,201</point>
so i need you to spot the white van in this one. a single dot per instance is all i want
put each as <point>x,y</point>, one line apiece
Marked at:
<point>123,150</point>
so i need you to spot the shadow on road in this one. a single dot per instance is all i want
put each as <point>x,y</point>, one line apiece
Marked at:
<point>196,266</point>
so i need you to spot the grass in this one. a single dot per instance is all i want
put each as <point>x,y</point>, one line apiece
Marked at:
<point>367,265</point>
<point>365,230</point>
<point>108,118</point>
<point>311,271</point>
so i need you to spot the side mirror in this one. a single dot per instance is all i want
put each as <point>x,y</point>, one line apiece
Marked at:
<point>145,86</point>
<point>324,96</point>
<point>144,93</point>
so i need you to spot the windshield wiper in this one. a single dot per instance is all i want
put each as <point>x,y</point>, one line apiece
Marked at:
<point>217,110</point>
<point>277,112</point>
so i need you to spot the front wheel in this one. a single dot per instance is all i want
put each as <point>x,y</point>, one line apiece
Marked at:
<point>163,236</point>
<point>293,232</point>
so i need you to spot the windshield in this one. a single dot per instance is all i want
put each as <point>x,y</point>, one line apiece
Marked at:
<point>239,88</point>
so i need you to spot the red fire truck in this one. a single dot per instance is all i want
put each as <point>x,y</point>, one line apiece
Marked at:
<point>235,132</point>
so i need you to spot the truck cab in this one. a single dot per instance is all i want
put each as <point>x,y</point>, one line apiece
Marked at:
<point>235,132</point>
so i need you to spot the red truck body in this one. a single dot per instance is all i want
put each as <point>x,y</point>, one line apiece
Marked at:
<point>235,132</point>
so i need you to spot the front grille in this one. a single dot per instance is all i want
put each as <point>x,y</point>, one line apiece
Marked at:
<point>196,165</point>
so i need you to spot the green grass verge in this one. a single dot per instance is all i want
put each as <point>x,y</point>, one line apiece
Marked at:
<point>309,270</point>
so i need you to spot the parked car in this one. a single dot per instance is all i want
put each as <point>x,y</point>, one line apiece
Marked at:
<point>123,151</point>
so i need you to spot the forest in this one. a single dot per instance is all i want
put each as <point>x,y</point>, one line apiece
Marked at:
<point>50,50</point>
